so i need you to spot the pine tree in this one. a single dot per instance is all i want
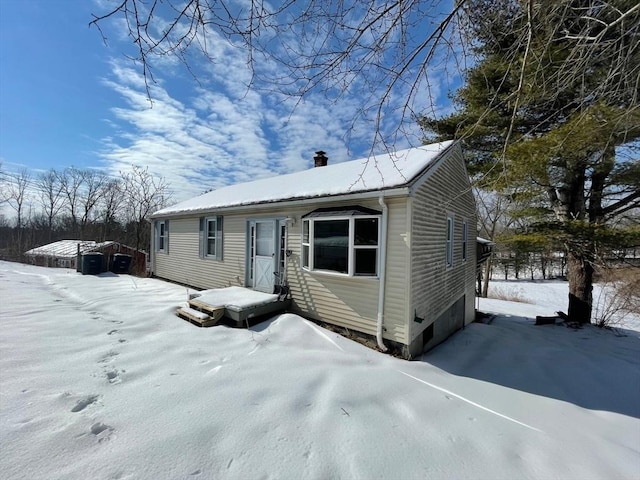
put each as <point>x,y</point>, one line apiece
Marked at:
<point>547,113</point>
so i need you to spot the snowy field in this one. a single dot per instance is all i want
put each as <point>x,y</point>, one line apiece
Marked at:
<point>100,380</point>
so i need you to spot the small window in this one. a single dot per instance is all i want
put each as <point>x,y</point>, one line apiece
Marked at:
<point>464,241</point>
<point>162,236</point>
<point>211,237</point>
<point>449,242</point>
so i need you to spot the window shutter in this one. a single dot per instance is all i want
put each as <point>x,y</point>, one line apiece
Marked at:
<point>219,238</point>
<point>166,233</point>
<point>202,237</point>
<point>154,239</point>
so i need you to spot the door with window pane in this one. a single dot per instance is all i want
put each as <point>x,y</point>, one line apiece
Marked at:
<point>264,255</point>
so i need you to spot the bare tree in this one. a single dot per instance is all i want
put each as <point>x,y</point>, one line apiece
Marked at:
<point>492,211</point>
<point>18,199</point>
<point>383,49</point>
<point>50,196</point>
<point>93,183</point>
<point>18,194</point>
<point>391,51</point>
<point>4,188</point>
<point>82,190</point>
<point>71,180</point>
<point>144,194</point>
<point>113,198</point>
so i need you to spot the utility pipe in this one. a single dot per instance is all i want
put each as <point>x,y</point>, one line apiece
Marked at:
<point>382,274</point>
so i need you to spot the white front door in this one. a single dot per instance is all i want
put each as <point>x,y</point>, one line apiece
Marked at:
<point>264,260</point>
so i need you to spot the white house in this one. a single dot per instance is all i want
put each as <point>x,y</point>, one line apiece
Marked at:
<point>384,246</point>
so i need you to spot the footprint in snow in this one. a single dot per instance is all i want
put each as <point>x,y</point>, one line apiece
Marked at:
<point>101,431</point>
<point>113,376</point>
<point>107,357</point>
<point>85,402</point>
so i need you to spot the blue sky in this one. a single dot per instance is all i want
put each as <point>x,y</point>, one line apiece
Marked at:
<point>66,99</point>
<point>52,104</point>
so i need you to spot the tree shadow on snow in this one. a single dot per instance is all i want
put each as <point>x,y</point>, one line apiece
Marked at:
<point>594,368</point>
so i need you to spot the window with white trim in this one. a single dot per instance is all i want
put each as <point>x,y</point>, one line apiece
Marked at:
<point>306,244</point>
<point>162,235</point>
<point>344,245</point>
<point>211,237</point>
<point>449,242</point>
<point>464,241</point>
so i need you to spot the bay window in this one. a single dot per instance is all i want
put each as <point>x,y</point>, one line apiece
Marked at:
<point>343,245</point>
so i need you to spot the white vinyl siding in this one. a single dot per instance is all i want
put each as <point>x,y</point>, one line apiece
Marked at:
<point>439,278</point>
<point>397,315</point>
<point>185,263</point>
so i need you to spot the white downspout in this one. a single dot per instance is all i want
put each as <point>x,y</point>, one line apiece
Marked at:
<point>382,276</point>
<point>152,252</point>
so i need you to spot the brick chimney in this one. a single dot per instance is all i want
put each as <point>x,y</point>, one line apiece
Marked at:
<point>320,160</point>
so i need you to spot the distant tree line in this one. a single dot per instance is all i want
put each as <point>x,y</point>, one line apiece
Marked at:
<point>523,250</point>
<point>78,204</point>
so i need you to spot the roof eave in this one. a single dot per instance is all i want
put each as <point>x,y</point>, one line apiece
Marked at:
<point>398,191</point>
<point>419,179</point>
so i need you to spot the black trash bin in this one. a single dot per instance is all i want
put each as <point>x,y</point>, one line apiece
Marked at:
<point>92,263</point>
<point>121,263</point>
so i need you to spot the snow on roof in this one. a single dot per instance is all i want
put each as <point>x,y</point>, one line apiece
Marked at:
<point>484,240</point>
<point>66,248</point>
<point>378,172</point>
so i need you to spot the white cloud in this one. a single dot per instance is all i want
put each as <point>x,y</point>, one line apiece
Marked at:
<point>222,132</point>
<point>210,138</point>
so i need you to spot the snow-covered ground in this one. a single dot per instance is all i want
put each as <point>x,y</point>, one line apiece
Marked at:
<point>99,379</point>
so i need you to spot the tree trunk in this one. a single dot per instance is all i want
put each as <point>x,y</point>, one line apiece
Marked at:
<point>487,276</point>
<point>580,276</point>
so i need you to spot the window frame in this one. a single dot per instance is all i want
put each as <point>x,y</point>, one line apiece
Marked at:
<point>205,237</point>
<point>162,236</point>
<point>449,242</point>
<point>465,240</point>
<point>208,237</point>
<point>307,258</point>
